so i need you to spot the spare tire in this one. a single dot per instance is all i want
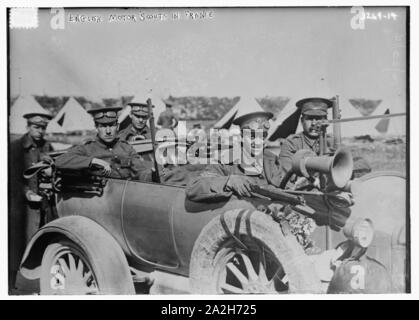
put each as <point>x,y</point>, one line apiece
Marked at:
<point>246,251</point>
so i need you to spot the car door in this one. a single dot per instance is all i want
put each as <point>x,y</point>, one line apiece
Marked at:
<point>146,215</point>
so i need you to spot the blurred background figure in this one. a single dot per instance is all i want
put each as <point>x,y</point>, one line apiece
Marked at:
<point>167,119</point>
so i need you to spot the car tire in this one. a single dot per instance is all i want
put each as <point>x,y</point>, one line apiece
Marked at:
<point>246,251</point>
<point>69,269</point>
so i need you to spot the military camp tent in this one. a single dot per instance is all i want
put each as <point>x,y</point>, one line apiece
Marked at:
<point>287,121</point>
<point>245,105</point>
<point>23,105</point>
<point>72,117</point>
<point>354,107</point>
<point>226,121</point>
<point>54,127</point>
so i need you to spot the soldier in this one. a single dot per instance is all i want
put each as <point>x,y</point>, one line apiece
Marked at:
<point>29,209</point>
<point>106,154</point>
<point>167,119</point>
<point>217,183</point>
<point>313,111</point>
<point>220,181</point>
<point>138,129</point>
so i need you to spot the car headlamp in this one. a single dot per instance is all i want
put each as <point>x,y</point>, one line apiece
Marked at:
<point>360,232</point>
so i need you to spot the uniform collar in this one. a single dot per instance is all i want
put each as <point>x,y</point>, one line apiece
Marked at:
<point>105,145</point>
<point>310,141</point>
<point>28,142</point>
<point>133,130</point>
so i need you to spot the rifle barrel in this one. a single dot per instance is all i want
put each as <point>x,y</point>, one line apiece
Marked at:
<point>383,116</point>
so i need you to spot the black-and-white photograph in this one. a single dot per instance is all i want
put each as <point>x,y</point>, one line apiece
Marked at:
<point>213,150</point>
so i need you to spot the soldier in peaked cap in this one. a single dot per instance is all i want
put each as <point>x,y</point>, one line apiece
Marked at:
<point>29,209</point>
<point>138,129</point>
<point>313,111</point>
<point>106,154</point>
<point>219,182</point>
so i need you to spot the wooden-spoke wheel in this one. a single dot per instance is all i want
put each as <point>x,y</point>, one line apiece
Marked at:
<point>66,270</point>
<point>247,271</point>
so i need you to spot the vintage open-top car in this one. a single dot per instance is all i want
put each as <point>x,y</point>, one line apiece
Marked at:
<point>112,235</point>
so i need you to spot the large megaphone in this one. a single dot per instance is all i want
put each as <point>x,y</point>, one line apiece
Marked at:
<point>338,167</point>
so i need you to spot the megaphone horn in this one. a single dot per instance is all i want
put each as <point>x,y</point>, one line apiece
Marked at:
<point>339,167</point>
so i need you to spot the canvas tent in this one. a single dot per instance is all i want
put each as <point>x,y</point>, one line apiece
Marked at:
<point>23,105</point>
<point>72,117</point>
<point>388,127</point>
<point>245,105</point>
<point>159,106</point>
<point>287,122</point>
<point>54,127</point>
<point>226,121</point>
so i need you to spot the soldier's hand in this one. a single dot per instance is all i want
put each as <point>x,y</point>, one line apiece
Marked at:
<point>33,197</point>
<point>103,164</point>
<point>240,185</point>
<point>47,172</point>
<point>138,137</point>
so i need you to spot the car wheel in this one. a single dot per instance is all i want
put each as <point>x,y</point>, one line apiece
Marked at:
<point>252,256</point>
<point>68,269</point>
<point>253,270</point>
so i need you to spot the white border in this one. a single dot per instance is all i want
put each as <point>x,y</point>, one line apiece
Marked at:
<point>414,52</point>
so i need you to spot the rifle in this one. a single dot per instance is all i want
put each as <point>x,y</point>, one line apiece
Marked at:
<point>336,126</point>
<point>153,138</point>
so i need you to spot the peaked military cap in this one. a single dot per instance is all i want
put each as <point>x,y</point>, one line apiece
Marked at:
<point>38,118</point>
<point>314,106</point>
<point>254,117</point>
<point>139,109</point>
<point>104,114</point>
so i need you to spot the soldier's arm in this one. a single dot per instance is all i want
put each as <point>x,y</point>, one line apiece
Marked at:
<point>160,120</point>
<point>141,170</point>
<point>75,158</point>
<point>174,121</point>
<point>30,184</point>
<point>209,185</point>
<point>147,134</point>
<point>288,150</point>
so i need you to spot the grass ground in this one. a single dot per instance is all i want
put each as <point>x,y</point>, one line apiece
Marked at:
<point>381,156</point>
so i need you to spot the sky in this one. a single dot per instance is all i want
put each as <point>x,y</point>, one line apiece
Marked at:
<point>231,52</point>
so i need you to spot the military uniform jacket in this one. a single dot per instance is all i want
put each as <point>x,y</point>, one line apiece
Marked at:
<point>294,143</point>
<point>32,153</point>
<point>210,185</point>
<point>300,141</point>
<point>130,132</point>
<point>124,161</point>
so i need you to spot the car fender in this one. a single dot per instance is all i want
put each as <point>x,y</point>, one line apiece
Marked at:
<point>81,230</point>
